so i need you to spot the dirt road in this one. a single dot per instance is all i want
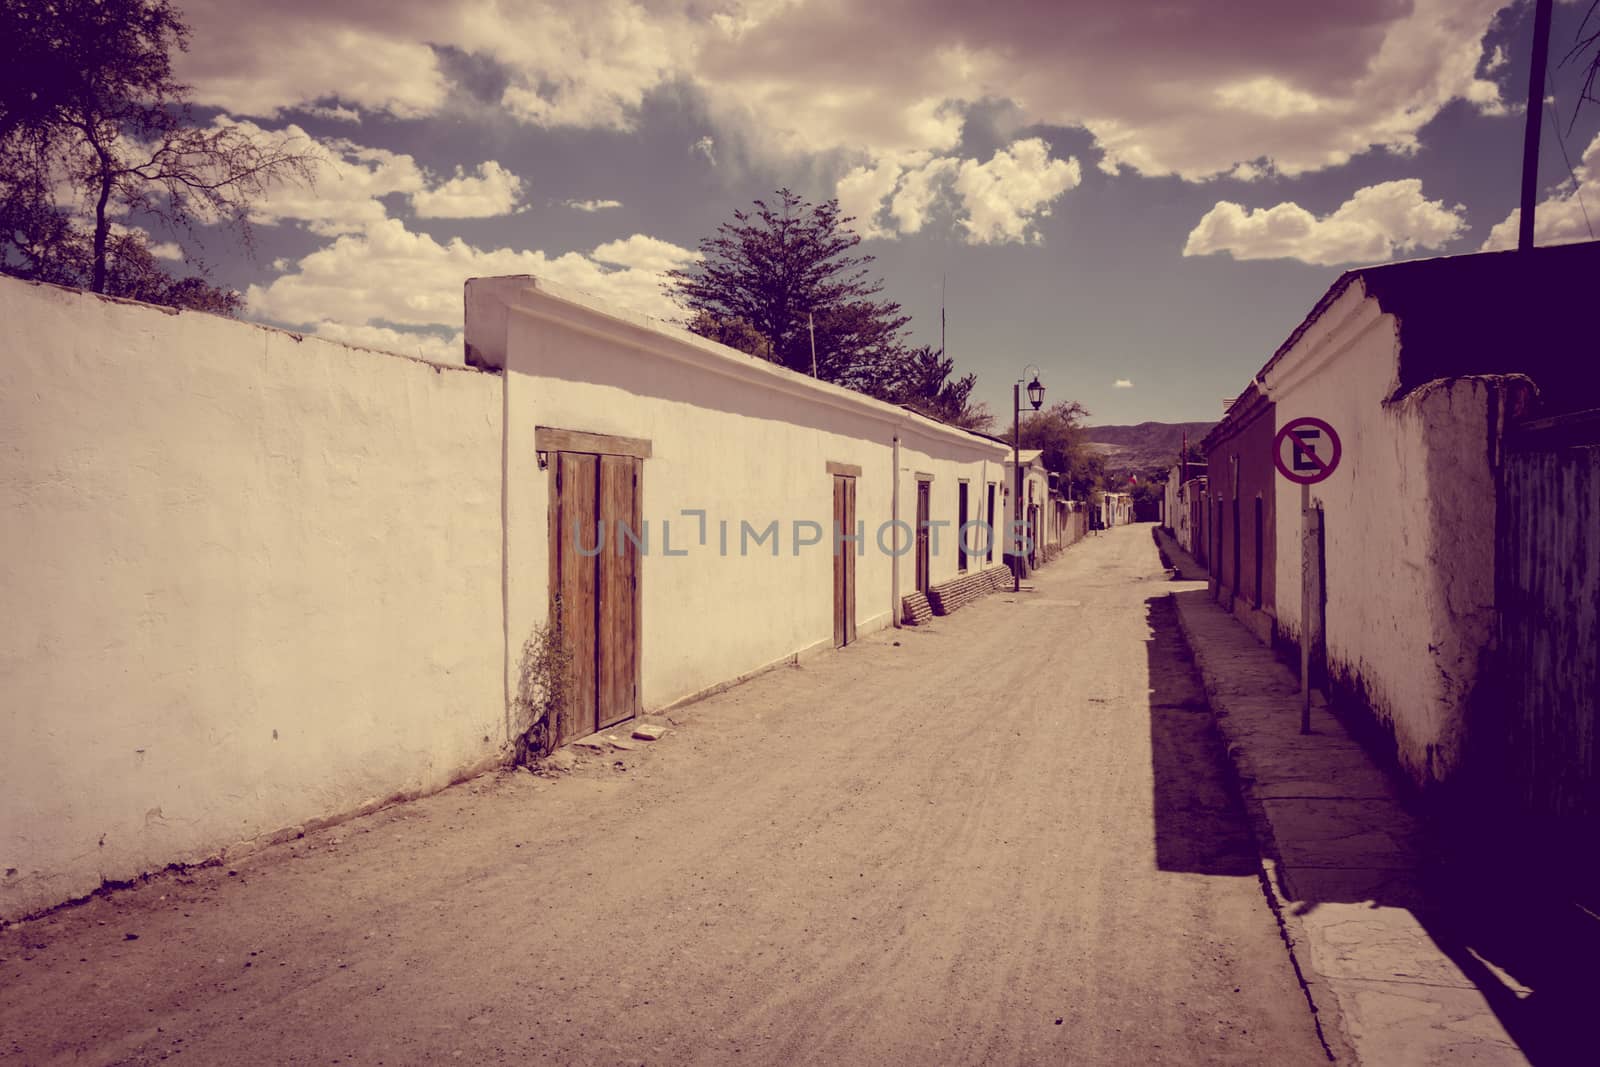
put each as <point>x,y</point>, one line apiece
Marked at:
<point>866,859</point>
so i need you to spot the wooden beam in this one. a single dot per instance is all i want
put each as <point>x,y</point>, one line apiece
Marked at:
<point>550,439</point>
<point>924,476</point>
<point>844,470</point>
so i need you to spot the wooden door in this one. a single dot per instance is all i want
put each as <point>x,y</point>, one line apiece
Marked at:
<point>594,587</point>
<point>844,561</point>
<point>617,650</point>
<point>923,513</point>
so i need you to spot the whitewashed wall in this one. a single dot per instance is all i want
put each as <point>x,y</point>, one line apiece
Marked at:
<point>249,580</point>
<point>734,436</point>
<point>255,581</point>
<point>1408,527</point>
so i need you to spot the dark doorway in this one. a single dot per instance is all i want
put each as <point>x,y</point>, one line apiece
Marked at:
<point>1258,559</point>
<point>961,526</point>
<point>923,513</point>
<point>989,518</point>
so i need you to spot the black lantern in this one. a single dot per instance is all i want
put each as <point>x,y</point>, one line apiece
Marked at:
<point>1035,393</point>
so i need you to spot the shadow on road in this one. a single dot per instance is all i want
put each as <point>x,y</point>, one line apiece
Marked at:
<point>1200,825</point>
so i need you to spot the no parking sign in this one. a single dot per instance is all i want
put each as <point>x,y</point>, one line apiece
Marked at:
<point>1306,450</point>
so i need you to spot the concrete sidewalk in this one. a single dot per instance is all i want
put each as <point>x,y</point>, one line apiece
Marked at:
<point>1341,859</point>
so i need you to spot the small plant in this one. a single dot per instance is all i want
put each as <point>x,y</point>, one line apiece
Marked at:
<point>542,682</point>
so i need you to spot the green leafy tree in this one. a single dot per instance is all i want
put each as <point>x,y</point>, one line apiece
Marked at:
<point>925,382</point>
<point>733,332</point>
<point>94,128</point>
<point>787,267</point>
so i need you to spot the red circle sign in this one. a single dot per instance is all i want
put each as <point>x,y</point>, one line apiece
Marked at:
<point>1306,450</point>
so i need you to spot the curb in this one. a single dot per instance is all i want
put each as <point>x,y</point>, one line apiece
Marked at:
<point>1325,1014</point>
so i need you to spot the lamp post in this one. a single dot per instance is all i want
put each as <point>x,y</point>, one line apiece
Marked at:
<point>1036,398</point>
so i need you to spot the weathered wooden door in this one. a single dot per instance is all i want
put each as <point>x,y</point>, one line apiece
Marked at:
<point>594,568</point>
<point>923,514</point>
<point>844,561</point>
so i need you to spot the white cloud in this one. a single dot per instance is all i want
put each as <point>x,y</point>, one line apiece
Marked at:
<point>861,194</point>
<point>706,148</point>
<point>332,113</point>
<point>329,53</point>
<point>387,277</point>
<point>425,344</point>
<point>995,202</point>
<point>640,252</point>
<point>1122,383</point>
<point>494,191</point>
<point>1194,91</point>
<point>591,206</point>
<point>349,178</point>
<point>1004,197</point>
<point>1570,213</point>
<point>1374,225</point>
<point>921,186</point>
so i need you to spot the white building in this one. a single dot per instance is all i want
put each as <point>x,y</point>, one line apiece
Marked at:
<point>269,581</point>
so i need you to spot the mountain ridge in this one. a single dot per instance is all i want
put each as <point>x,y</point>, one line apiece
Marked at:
<point>1145,448</point>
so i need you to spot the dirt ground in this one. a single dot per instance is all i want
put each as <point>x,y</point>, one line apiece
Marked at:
<point>866,859</point>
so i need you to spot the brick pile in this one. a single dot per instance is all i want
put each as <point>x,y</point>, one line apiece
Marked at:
<point>915,610</point>
<point>918,609</point>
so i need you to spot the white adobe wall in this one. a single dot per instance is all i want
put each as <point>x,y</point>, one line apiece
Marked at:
<point>1409,528</point>
<point>251,580</point>
<point>734,436</point>
<point>1034,476</point>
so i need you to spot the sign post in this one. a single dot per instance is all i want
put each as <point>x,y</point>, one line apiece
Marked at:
<point>1306,451</point>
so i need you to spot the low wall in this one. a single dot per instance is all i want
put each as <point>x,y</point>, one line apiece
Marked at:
<point>251,580</point>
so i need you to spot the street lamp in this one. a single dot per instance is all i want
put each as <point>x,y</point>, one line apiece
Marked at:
<point>1036,398</point>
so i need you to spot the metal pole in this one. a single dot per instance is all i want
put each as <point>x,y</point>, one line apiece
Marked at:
<point>811,327</point>
<point>1530,131</point>
<point>1305,608</point>
<point>894,514</point>
<point>1016,498</point>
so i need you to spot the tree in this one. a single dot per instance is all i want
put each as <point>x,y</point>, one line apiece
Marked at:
<point>733,332</point>
<point>925,383</point>
<point>95,128</point>
<point>785,268</point>
<point>1587,42</point>
<point>1058,432</point>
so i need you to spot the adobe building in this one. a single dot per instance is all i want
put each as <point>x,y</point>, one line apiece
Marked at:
<point>1440,547</point>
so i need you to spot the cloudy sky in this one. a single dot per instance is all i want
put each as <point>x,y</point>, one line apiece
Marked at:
<point>1140,198</point>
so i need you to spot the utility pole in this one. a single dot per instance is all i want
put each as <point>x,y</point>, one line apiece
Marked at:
<point>1016,487</point>
<point>811,327</point>
<point>1535,118</point>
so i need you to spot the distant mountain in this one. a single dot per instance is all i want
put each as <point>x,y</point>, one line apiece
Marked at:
<point>1145,449</point>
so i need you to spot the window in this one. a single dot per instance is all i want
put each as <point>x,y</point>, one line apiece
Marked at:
<point>961,525</point>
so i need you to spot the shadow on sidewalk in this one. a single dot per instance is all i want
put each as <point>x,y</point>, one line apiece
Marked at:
<point>1200,826</point>
<point>1531,954</point>
<point>1495,912</point>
